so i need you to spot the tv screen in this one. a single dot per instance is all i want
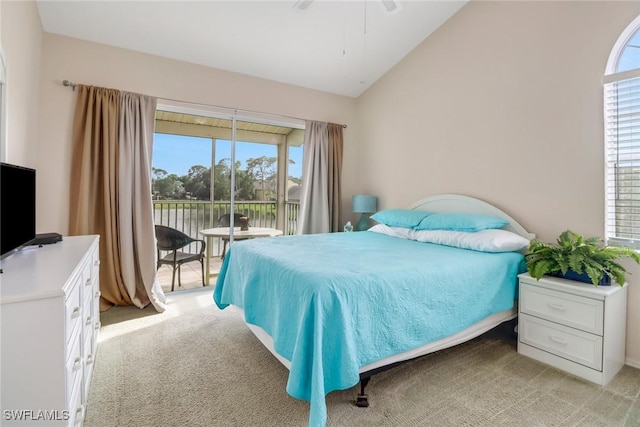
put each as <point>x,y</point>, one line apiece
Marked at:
<point>17,207</point>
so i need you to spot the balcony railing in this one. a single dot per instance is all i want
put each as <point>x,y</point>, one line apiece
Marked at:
<point>192,216</point>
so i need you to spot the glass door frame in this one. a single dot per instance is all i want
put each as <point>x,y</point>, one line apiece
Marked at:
<point>234,116</point>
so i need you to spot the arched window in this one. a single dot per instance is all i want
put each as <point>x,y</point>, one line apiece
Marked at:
<point>622,139</point>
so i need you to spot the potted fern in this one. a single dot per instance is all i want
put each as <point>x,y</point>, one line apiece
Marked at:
<point>576,258</point>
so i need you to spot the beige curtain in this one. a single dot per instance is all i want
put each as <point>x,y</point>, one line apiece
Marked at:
<point>321,181</point>
<point>335,175</point>
<point>107,171</point>
<point>136,232</point>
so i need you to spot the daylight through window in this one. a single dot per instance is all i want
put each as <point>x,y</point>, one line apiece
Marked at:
<point>191,172</point>
<point>622,140</point>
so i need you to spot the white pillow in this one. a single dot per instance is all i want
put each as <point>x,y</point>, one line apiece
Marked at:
<point>491,240</point>
<point>401,232</point>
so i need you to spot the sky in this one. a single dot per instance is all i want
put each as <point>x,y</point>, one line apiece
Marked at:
<point>630,57</point>
<point>176,154</point>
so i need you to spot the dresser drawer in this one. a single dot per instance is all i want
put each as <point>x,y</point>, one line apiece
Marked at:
<point>76,409</point>
<point>96,309</point>
<point>572,310</point>
<point>87,310</point>
<point>95,265</point>
<point>73,311</point>
<point>87,281</point>
<point>73,367</point>
<point>569,343</point>
<point>88,351</point>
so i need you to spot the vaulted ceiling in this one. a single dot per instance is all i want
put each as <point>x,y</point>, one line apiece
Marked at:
<point>341,47</point>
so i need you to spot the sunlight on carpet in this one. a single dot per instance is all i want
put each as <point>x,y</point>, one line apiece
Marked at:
<point>126,319</point>
<point>196,365</point>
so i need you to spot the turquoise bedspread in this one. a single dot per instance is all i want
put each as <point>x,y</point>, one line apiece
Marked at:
<point>334,303</point>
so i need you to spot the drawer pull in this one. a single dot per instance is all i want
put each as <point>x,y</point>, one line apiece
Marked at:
<point>556,306</point>
<point>97,294</point>
<point>88,321</point>
<point>557,339</point>
<point>98,325</point>
<point>78,417</point>
<point>88,282</point>
<point>77,363</point>
<point>89,359</point>
<point>96,262</point>
<point>75,313</point>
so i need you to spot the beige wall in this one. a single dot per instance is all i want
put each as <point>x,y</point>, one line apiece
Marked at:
<point>504,103</point>
<point>21,38</point>
<point>93,64</point>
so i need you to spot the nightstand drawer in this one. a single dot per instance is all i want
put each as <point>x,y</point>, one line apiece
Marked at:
<point>569,343</point>
<point>572,310</point>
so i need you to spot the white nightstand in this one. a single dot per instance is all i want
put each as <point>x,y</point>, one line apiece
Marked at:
<point>573,326</point>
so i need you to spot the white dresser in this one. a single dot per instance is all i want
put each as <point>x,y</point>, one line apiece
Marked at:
<point>573,326</point>
<point>49,318</point>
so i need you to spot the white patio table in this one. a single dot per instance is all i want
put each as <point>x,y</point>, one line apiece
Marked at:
<point>251,233</point>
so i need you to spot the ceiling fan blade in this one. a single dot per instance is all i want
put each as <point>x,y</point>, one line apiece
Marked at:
<point>303,4</point>
<point>390,5</point>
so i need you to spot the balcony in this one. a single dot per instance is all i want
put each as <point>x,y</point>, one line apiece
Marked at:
<point>192,216</point>
<point>191,276</point>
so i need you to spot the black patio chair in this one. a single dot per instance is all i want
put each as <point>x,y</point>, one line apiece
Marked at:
<point>225,221</point>
<point>171,240</point>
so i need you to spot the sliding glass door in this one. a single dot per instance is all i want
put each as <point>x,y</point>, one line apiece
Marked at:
<point>256,167</point>
<point>207,166</point>
<point>180,181</point>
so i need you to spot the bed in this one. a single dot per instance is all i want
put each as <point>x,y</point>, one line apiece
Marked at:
<point>336,308</point>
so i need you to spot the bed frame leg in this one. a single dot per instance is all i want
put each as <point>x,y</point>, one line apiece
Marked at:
<point>362,401</point>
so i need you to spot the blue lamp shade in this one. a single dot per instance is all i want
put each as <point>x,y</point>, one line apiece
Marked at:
<point>364,204</point>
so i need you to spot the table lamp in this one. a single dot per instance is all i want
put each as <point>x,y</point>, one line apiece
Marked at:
<point>363,204</point>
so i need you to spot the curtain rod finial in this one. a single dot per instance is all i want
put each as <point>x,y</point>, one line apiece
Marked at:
<point>68,83</point>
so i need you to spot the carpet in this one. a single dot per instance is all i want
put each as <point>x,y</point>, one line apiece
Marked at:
<point>195,365</point>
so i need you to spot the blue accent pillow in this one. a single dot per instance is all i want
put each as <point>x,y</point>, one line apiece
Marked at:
<point>460,222</point>
<point>406,218</point>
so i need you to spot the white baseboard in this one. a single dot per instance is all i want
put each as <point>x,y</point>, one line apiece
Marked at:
<point>632,363</point>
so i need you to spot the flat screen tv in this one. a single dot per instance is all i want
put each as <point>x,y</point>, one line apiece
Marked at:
<point>17,208</point>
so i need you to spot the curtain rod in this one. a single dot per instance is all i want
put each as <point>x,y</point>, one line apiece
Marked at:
<point>73,85</point>
<point>68,83</point>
